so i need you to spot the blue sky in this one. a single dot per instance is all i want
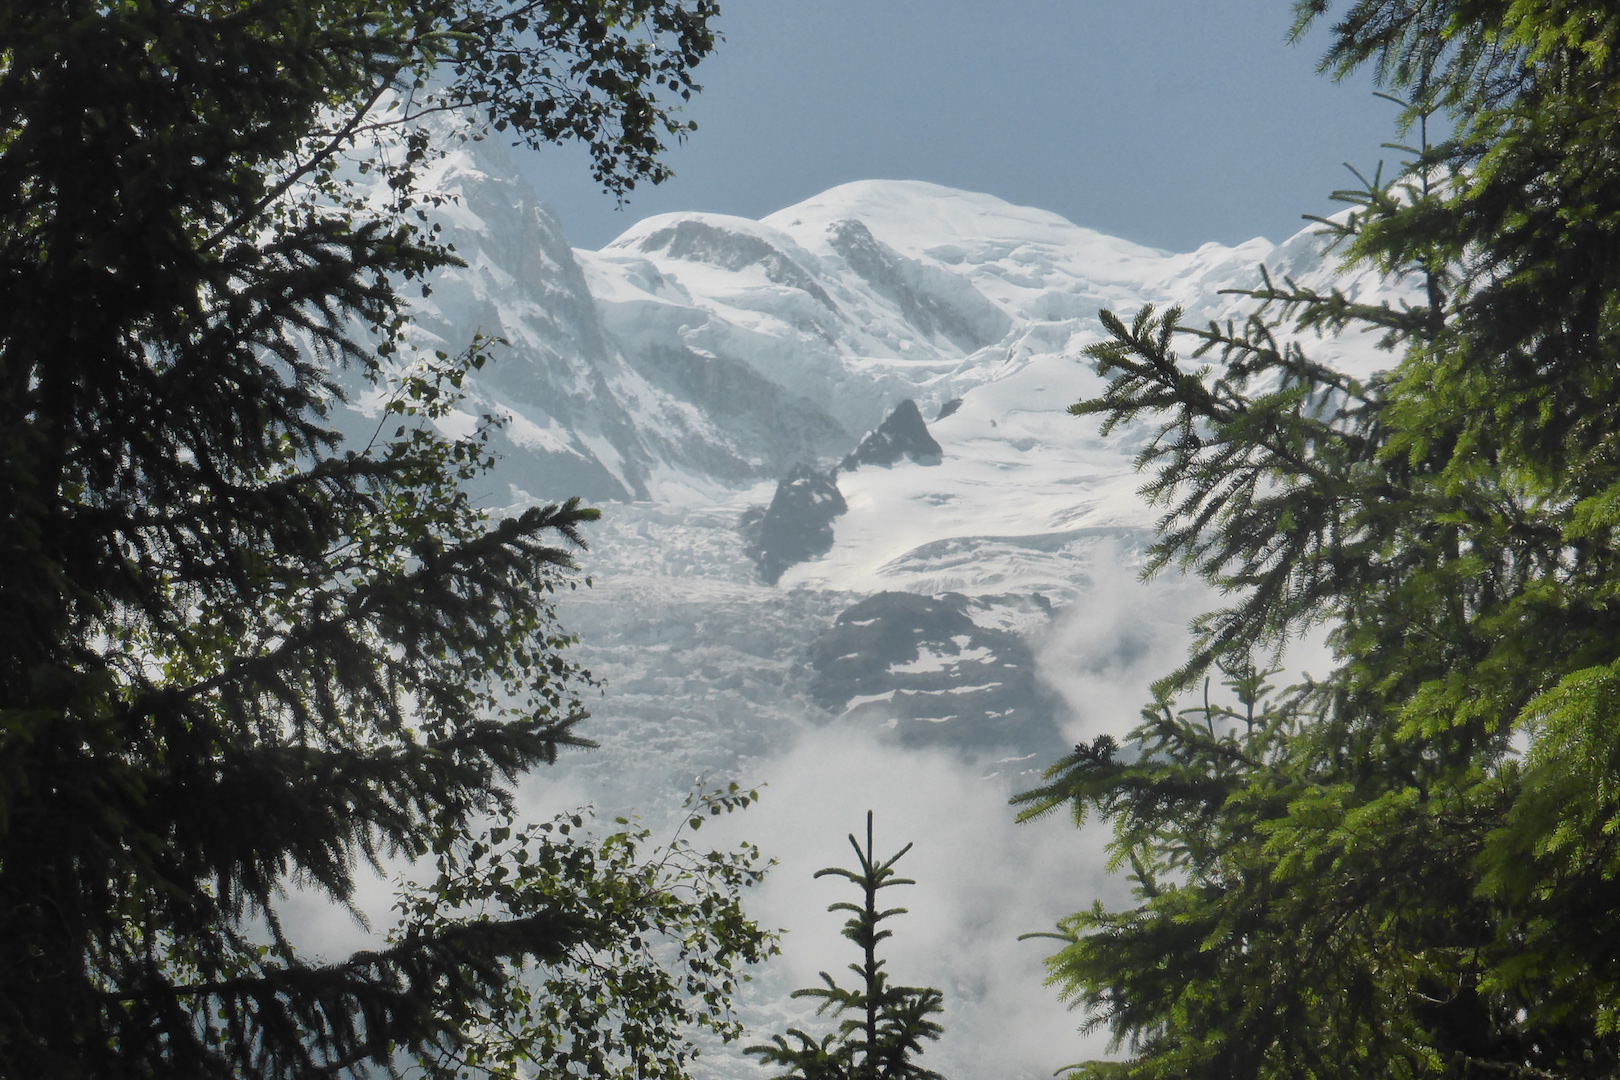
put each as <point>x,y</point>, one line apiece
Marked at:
<point>1167,122</point>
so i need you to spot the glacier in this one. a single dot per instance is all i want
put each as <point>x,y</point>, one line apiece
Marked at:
<point>944,622</point>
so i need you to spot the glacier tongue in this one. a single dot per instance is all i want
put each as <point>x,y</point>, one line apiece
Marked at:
<point>974,614</point>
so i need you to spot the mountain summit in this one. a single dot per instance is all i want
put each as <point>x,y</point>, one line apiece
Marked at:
<point>701,352</point>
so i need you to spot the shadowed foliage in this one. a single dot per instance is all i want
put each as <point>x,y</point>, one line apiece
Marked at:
<point>1408,867</point>
<point>238,654</point>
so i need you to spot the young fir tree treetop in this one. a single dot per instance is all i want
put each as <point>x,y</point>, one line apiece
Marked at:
<point>881,1026</point>
<point>238,653</point>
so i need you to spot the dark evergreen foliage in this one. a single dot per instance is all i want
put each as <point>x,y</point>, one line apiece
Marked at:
<point>235,653</point>
<point>887,1024</point>
<point>1408,868</point>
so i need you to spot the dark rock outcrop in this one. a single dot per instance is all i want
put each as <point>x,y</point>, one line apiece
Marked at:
<point>902,434</point>
<point>798,525</point>
<point>921,665</point>
<point>712,245</point>
<point>936,302</point>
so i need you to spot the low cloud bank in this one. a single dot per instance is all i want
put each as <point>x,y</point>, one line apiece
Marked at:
<point>982,880</point>
<point>1103,652</point>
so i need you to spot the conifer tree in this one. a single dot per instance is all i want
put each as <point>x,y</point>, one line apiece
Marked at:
<point>1408,867</point>
<point>237,653</point>
<point>881,1026</point>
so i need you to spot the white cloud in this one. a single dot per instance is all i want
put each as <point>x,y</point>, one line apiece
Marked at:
<point>1104,651</point>
<point>982,880</point>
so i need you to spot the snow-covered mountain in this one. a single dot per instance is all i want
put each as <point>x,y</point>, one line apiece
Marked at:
<point>852,543</point>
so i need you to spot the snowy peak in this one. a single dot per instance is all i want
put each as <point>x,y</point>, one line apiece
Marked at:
<point>703,353</point>
<point>1012,254</point>
<point>923,219</point>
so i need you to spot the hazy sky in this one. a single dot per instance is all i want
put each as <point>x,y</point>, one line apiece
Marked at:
<point>1167,122</point>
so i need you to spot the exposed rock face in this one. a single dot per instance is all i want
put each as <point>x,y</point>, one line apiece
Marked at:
<point>902,435</point>
<point>931,300</point>
<point>923,667</point>
<point>727,249</point>
<point>766,429</point>
<point>798,525</point>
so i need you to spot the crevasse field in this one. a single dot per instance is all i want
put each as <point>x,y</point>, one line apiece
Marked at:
<point>974,611</point>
